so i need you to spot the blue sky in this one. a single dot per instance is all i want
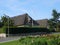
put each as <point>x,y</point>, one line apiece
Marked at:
<point>37,9</point>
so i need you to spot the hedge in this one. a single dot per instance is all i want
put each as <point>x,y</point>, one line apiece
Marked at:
<point>26,30</point>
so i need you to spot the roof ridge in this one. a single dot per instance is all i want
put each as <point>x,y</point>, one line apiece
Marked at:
<point>20,15</point>
<point>42,19</point>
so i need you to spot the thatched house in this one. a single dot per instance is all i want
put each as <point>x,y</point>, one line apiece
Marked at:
<point>25,19</point>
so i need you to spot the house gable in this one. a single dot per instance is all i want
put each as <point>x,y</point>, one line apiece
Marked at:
<point>23,19</point>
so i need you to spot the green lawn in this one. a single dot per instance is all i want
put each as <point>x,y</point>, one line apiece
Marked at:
<point>1,30</point>
<point>11,43</point>
<point>43,40</point>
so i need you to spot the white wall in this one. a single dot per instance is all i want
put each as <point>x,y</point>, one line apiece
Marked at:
<point>2,35</point>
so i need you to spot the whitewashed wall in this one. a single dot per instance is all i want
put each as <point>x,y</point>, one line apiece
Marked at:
<point>2,35</point>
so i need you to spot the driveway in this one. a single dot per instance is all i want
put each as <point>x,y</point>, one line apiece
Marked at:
<point>7,39</point>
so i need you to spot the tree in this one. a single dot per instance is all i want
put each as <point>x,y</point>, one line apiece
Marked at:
<point>6,20</point>
<point>1,24</point>
<point>54,22</point>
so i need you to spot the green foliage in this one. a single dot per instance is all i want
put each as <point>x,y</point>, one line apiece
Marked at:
<point>54,22</point>
<point>3,29</point>
<point>40,40</point>
<point>22,30</point>
<point>6,20</point>
<point>1,24</point>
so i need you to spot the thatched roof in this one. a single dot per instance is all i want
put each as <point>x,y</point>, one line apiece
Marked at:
<point>23,19</point>
<point>26,19</point>
<point>19,20</point>
<point>43,22</point>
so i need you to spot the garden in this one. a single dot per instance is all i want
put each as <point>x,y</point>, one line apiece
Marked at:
<point>51,39</point>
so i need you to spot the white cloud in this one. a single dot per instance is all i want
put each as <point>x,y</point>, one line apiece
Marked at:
<point>18,5</point>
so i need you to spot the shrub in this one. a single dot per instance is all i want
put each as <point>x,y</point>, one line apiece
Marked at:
<point>27,30</point>
<point>40,41</point>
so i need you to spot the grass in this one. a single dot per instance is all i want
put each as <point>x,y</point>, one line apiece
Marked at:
<point>16,42</point>
<point>1,30</point>
<point>39,40</point>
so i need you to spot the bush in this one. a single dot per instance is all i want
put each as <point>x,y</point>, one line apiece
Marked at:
<point>40,41</point>
<point>26,30</point>
<point>3,29</point>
